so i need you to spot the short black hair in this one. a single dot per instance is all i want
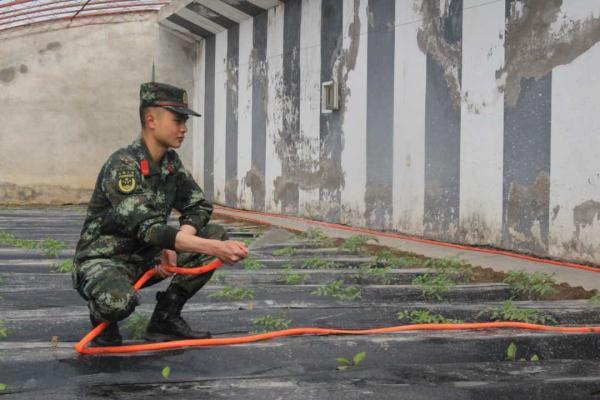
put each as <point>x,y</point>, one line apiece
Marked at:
<point>143,115</point>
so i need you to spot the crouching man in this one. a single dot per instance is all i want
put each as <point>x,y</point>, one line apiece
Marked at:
<point>125,230</point>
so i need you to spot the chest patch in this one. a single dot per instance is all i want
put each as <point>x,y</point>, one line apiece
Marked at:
<point>127,182</point>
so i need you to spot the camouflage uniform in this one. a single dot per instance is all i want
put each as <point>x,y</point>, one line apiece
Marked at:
<point>126,229</point>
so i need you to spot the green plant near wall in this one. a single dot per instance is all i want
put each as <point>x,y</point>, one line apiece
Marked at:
<point>250,263</point>
<point>593,301</point>
<point>136,325</point>
<point>218,277</point>
<point>316,237</point>
<point>425,317</point>
<point>531,285</point>
<point>270,323</point>
<point>454,268</point>
<point>357,242</point>
<point>291,278</point>
<point>345,364</point>
<point>338,290</point>
<point>317,262</point>
<point>434,286</point>
<point>371,271</point>
<point>63,267</point>
<point>507,311</point>
<point>233,293</point>
<point>285,252</point>
<point>3,331</point>
<point>52,247</point>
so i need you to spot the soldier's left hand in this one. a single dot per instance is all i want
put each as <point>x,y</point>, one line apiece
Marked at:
<point>167,258</point>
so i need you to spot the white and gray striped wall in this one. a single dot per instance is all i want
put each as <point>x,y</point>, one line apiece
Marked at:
<point>472,121</point>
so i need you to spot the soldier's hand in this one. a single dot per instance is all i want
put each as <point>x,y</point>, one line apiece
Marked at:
<point>167,257</point>
<point>231,251</point>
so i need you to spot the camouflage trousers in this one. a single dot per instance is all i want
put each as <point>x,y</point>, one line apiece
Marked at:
<point>107,284</point>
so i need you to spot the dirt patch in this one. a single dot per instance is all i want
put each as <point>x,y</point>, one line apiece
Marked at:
<point>13,194</point>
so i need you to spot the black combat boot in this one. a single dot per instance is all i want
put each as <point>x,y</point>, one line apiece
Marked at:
<point>109,336</point>
<point>166,322</point>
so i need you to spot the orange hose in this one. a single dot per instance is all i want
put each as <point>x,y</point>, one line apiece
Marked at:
<point>82,348</point>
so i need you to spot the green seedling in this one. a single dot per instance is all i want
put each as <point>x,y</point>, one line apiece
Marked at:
<point>454,268</point>
<point>290,278</point>
<point>434,286</point>
<point>270,323</point>
<point>63,267</point>
<point>166,372</point>
<point>346,364</point>
<point>531,285</point>
<point>338,290</point>
<point>425,317</point>
<point>250,263</point>
<point>218,277</point>
<point>511,354</point>
<point>389,259</point>
<point>10,240</point>
<point>2,387</point>
<point>318,263</point>
<point>136,325</point>
<point>3,330</point>
<point>372,271</point>
<point>52,247</point>
<point>231,293</point>
<point>509,312</point>
<point>317,238</point>
<point>285,252</point>
<point>357,242</point>
<point>593,301</point>
<point>248,241</point>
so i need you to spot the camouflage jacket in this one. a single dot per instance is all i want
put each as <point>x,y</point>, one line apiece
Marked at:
<point>127,213</point>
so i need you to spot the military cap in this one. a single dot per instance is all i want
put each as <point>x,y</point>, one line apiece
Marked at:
<point>154,94</point>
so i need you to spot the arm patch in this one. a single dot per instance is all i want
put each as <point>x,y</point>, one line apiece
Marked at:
<point>126,181</point>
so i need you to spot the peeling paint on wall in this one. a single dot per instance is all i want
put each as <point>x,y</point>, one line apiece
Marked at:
<point>585,214</point>
<point>435,37</point>
<point>7,74</point>
<point>536,42</point>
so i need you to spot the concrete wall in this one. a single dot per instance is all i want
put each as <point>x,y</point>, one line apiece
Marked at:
<point>463,120</point>
<point>70,97</point>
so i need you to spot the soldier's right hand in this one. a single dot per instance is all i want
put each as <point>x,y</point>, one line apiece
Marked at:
<point>231,251</point>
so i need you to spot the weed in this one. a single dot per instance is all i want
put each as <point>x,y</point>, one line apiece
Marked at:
<point>347,364</point>
<point>511,354</point>
<point>593,301</point>
<point>380,275</point>
<point>337,290</point>
<point>290,278</point>
<point>166,372</point>
<point>357,242</point>
<point>284,252</point>
<point>231,293</point>
<point>531,285</point>
<point>425,317</point>
<point>136,325</point>
<point>3,330</point>
<point>2,387</point>
<point>52,247</point>
<point>248,241</point>
<point>270,323</point>
<point>318,263</point>
<point>434,285</point>
<point>509,312</point>
<point>389,259</point>
<point>317,238</point>
<point>452,267</point>
<point>250,263</point>
<point>63,267</point>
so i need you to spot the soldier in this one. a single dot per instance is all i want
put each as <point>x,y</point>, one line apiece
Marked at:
<point>125,231</point>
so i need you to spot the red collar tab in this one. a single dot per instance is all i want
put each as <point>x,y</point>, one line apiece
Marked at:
<point>171,168</point>
<point>145,166</point>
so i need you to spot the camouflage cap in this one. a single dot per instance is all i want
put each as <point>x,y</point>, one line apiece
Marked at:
<point>154,94</point>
